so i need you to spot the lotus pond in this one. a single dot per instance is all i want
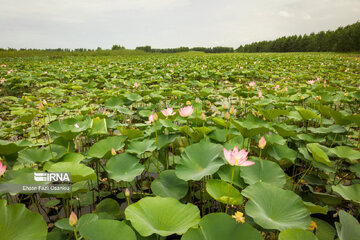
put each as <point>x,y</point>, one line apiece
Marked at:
<point>232,146</point>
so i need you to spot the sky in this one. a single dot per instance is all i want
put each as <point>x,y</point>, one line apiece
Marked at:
<point>165,23</point>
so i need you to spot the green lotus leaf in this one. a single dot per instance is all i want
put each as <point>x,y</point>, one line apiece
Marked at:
<point>15,215</point>
<point>307,114</point>
<point>115,102</point>
<point>330,129</point>
<point>221,191</point>
<point>72,157</point>
<point>282,152</point>
<point>165,140</point>
<point>314,209</point>
<point>351,193</point>
<point>7,148</point>
<point>348,228</point>
<point>285,130</point>
<point>124,110</point>
<point>31,156</point>
<point>264,171</point>
<point>324,231</point>
<point>110,207</point>
<point>169,185</point>
<point>87,218</point>
<point>225,173</point>
<point>124,167</point>
<point>79,172</point>
<point>327,198</point>
<point>296,234</point>
<point>163,216</point>
<point>64,224</point>
<point>98,127</point>
<point>271,114</point>
<point>133,97</point>
<point>346,153</point>
<point>103,147</point>
<point>215,226</point>
<point>252,126</point>
<point>355,168</point>
<point>199,160</point>
<point>107,229</point>
<point>318,154</point>
<point>69,128</point>
<point>131,133</point>
<point>274,208</point>
<point>139,147</point>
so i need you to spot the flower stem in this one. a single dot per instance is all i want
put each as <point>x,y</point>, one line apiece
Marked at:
<point>229,188</point>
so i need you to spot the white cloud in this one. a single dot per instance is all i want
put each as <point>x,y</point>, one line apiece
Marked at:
<point>307,17</point>
<point>284,14</point>
<point>164,23</point>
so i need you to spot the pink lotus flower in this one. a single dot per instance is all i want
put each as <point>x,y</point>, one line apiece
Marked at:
<point>153,117</point>
<point>168,112</point>
<point>136,84</point>
<point>311,82</point>
<point>285,89</point>
<point>186,111</point>
<point>237,158</point>
<point>252,84</point>
<point>2,169</point>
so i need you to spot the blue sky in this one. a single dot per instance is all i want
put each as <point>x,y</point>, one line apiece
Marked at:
<point>165,23</point>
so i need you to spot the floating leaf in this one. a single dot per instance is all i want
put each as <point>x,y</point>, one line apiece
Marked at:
<point>348,228</point>
<point>296,234</point>
<point>215,226</point>
<point>318,154</point>
<point>199,160</point>
<point>103,147</point>
<point>351,193</point>
<point>15,215</point>
<point>163,216</point>
<point>124,167</point>
<point>264,171</point>
<point>107,229</point>
<point>219,190</point>
<point>274,208</point>
<point>169,185</point>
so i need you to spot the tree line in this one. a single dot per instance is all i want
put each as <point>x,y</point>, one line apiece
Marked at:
<point>218,49</point>
<point>343,39</point>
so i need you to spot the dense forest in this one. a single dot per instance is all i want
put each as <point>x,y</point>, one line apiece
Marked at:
<point>343,39</point>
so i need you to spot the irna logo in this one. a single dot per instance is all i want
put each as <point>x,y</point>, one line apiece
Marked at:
<point>52,177</point>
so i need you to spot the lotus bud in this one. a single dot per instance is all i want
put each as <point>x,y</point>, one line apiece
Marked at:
<point>113,152</point>
<point>232,110</point>
<point>73,219</point>
<point>227,115</point>
<point>262,142</point>
<point>203,117</point>
<point>197,100</point>
<point>155,117</point>
<point>260,94</point>
<point>127,192</point>
<point>44,102</point>
<point>41,106</point>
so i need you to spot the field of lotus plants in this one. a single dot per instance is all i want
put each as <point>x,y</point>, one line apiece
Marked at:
<point>182,146</point>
